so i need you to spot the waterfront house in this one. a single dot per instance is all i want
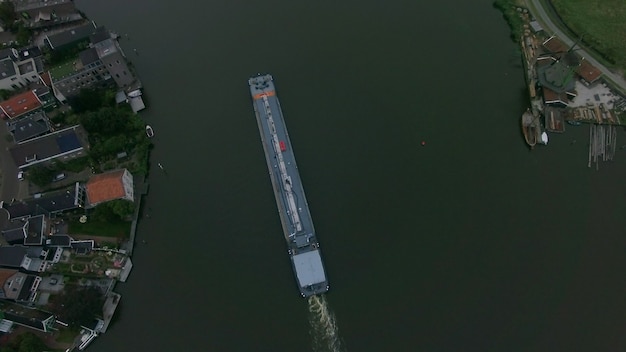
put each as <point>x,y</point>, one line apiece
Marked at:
<point>20,67</point>
<point>65,144</point>
<point>13,313</point>
<point>71,36</point>
<point>103,64</point>
<point>20,105</point>
<point>109,186</point>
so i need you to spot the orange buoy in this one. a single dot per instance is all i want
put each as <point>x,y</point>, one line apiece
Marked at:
<point>423,143</point>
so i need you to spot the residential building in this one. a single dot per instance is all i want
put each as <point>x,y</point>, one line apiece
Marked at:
<point>25,316</point>
<point>17,286</point>
<point>28,231</point>
<point>103,64</point>
<point>19,67</point>
<point>70,36</point>
<point>39,14</point>
<point>65,144</point>
<point>49,203</point>
<point>20,105</point>
<point>29,127</point>
<point>109,186</point>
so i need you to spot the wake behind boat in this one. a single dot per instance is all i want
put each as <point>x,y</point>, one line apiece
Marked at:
<point>149,131</point>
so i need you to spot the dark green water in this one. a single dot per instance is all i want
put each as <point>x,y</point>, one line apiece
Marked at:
<point>470,243</point>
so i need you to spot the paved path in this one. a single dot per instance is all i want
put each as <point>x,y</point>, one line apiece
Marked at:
<point>9,186</point>
<point>540,14</point>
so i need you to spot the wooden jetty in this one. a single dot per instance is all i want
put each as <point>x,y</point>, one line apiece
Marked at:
<point>602,142</point>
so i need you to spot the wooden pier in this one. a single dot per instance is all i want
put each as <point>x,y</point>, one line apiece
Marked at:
<point>602,142</point>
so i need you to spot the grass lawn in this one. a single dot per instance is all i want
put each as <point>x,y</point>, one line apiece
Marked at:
<point>119,229</point>
<point>602,24</point>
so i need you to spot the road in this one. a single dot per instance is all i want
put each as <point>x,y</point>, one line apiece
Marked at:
<point>540,14</point>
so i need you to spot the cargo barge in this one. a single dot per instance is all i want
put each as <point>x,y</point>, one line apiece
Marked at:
<point>303,247</point>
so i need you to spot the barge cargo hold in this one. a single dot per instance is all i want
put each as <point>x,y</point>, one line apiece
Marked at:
<point>293,208</point>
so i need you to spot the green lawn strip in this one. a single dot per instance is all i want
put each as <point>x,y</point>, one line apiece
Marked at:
<point>602,23</point>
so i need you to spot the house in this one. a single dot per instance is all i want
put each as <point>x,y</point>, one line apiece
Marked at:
<point>25,316</point>
<point>18,286</point>
<point>32,258</point>
<point>70,36</point>
<point>65,144</point>
<point>588,73</point>
<point>48,203</point>
<point>28,231</point>
<point>109,186</point>
<point>21,104</point>
<point>29,127</point>
<point>40,14</point>
<point>103,64</point>
<point>19,67</point>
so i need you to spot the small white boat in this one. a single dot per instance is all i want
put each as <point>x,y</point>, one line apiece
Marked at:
<point>149,131</point>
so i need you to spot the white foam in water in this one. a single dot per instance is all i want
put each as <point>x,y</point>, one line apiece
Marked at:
<point>324,329</point>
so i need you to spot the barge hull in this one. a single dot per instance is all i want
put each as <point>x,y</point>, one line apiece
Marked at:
<point>295,217</point>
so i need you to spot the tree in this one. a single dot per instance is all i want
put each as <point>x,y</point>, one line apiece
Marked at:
<point>7,13</point>
<point>40,175</point>
<point>122,208</point>
<point>26,342</point>
<point>78,305</point>
<point>92,99</point>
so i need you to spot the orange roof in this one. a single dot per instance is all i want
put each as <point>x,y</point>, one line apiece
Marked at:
<point>555,46</point>
<point>588,72</point>
<point>105,187</point>
<point>20,104</point>
<point>5,274</point>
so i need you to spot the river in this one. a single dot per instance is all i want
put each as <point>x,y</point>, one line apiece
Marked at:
<point>468,243</point>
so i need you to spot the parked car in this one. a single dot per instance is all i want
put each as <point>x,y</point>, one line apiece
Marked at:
<point>59,177</point>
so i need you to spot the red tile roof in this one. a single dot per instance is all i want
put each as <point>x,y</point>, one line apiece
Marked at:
<point>20,104</point>
<point>105,187</point>
<point>47,80</point>
<point>588,72</point>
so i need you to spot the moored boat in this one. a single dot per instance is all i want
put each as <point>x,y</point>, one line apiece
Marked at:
<point>529,128</point>
<point>149,131</point>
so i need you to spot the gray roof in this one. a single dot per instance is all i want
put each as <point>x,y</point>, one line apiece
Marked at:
<point>50,146</point>
<point>71,36</point>
<point>25,315</point>
<point>27,53</point>
<point>83,246</point>
<point>7,68</point>
<point>105,47</point>
<point>88,56</point>
<point>309,268</point>
<point>12,256</point>
<point>100,35</point>
<point>15,231</point>
<point>58,241</point>
<point>30,127</point>
<point>53,202</point>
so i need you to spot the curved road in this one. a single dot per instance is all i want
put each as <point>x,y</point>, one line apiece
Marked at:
<point>540,14</point>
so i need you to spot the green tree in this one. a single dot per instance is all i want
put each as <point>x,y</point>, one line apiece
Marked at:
<point>78,305</point>
<point>122,208</point>
<point>26,342</point>
<point>7,13</point>
<point>40,175</point>
<point>23,35</point>
<point>92,99</point>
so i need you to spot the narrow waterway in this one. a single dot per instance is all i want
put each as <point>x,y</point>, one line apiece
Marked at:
<point>469,243</point>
